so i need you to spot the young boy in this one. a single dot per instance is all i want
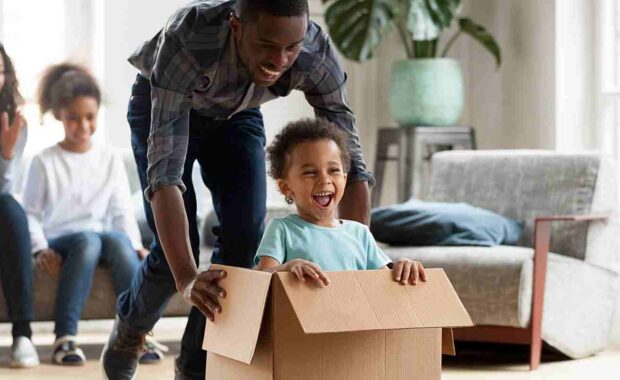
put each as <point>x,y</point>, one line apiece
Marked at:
<point>309,160</point>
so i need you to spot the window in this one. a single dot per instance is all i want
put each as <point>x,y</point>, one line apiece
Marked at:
<point>609,78</point>
<point>58,30</point>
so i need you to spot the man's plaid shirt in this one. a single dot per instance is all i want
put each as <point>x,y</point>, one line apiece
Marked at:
<point>192,63</point>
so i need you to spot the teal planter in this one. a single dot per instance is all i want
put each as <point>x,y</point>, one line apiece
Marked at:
<point>426,92</point>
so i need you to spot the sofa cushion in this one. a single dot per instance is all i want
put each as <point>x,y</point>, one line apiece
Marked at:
<point>419,223</point>
<point>495,285</point>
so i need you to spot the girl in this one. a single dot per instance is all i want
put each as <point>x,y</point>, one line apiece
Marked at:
<point>78,205</point>
<point>15,257</point>
<point>309,161</point>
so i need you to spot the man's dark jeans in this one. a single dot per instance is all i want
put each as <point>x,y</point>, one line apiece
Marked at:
<point>232,160</point>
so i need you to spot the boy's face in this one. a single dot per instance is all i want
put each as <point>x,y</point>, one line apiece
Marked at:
<point>269,45</point>
<point>79,119</point>
<point>315,181</point>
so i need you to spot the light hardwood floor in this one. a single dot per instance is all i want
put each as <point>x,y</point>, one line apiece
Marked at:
<point>473,363</point>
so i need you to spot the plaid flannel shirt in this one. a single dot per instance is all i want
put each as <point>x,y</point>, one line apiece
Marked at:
<point>192,63</point>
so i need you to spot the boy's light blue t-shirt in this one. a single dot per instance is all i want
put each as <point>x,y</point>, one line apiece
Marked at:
<point>350,246</point>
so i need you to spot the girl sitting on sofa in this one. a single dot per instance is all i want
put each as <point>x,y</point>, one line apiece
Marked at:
<point>78,204</point>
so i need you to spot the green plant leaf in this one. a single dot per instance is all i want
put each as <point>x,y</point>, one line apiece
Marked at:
<point>420,23</point>
<point>442,12</point>
<point>358,26</point>
<point>480,34</point>
<point>425,48</point>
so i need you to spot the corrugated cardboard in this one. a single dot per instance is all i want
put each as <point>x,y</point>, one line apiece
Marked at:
<point>362,326</point>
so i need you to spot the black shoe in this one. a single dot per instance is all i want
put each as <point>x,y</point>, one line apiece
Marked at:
<point>180,375</point>
<point>119,357</point>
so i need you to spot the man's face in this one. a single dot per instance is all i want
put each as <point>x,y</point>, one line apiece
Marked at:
<point>269,45</point>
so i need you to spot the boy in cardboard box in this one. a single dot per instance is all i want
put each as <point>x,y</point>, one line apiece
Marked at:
<point>309,160</point>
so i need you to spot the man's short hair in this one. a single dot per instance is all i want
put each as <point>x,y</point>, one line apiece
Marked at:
<point>248,10</point>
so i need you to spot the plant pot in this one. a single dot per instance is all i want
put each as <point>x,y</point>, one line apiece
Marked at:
<point>426,92</point>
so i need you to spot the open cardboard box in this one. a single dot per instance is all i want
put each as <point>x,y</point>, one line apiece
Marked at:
<point>363,325</point>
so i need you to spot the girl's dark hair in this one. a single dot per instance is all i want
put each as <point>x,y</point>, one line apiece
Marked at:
<point>61,84</point>
<point>304,130</point>
<point>10,98</point>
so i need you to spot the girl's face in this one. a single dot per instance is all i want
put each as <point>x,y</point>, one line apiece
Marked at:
<point>315,181</point>
<point>2,75</point>
<point>79,119</point>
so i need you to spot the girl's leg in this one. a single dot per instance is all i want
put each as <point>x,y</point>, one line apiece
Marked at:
<point>118,253</point>
<point>16,274</point>
<point>81,252</point>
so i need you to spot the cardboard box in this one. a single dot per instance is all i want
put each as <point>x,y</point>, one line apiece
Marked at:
<point>362,326</point>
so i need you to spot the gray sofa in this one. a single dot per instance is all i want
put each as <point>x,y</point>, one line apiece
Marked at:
<point>579,282</point>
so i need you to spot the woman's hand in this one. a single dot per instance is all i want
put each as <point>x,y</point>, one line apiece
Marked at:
<point>49,261</point>
<point>408,271</point>
<point>142,253</point>
<point>10,134</point>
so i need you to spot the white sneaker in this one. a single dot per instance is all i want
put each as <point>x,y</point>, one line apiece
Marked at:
<point>67,352</point>
<point>23,353</point>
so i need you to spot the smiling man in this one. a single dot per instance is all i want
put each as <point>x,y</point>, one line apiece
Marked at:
<point>201,81</point>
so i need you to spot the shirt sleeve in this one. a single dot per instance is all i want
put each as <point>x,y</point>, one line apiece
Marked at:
<point>273,242</point>
<point>120,209</point>
<point>173,79</point>
<point>376,257</point>
<point>7,167</point>
<point>324,88</point>
<point>34,202</point>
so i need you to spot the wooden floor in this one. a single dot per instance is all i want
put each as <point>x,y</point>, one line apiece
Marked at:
<point>474,362</point>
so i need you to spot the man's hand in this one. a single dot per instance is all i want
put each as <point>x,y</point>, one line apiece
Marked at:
<point>204,293</point>
<point>303,269</point>
<point>10,134</point>
<point>355,203</point>
<point>408,271</point>
<point>49,261</point>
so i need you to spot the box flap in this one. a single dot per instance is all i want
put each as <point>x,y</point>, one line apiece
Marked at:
<point>235,332</point>
<point>371,300</point>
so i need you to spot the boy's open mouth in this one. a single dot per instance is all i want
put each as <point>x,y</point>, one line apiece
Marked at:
<point>324,198</point>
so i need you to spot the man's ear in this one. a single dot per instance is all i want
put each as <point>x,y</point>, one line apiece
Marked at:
<point>284,188</point>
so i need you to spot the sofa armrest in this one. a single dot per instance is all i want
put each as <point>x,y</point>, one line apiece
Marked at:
<point>542,240</point>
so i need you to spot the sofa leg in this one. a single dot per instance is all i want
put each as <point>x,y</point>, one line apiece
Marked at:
<point>535,353</point>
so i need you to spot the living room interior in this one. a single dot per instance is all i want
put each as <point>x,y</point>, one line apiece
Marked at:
<point>534,137</point>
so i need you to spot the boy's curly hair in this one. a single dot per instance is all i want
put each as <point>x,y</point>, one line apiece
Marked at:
<point>304,130</point>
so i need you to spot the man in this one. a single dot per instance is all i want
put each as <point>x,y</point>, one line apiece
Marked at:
<point>202,79</point>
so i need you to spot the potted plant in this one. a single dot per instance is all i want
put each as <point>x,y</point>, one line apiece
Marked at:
<point>427,87</point>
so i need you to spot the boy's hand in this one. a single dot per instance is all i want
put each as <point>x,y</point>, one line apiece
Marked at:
<point>406,270</point>
<point>303,268</point>
<point>49,261</point>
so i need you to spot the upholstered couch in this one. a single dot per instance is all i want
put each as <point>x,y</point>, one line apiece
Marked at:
<point>563,289</point>
<point>101,302</point>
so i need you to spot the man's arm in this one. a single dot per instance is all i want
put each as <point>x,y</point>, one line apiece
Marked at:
<point>325,90</point>
<point>199,289</point>
<point>355,203</point>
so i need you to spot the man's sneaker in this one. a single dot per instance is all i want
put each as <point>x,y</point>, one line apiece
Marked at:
<point>67,352</point>
<point>119,357</point>
<point>152,351</point>
<point>23,353</point>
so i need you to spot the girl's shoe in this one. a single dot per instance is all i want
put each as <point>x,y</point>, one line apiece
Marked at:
<point>67,352</point>
<point>152,351</point>
<point>23,353</point>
